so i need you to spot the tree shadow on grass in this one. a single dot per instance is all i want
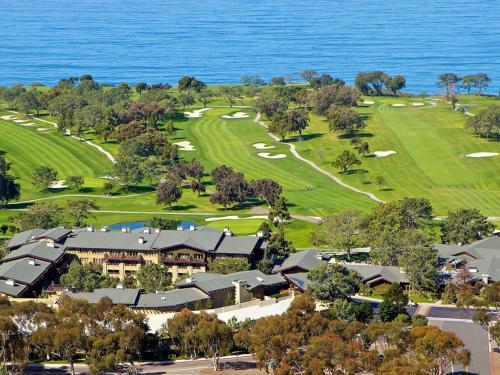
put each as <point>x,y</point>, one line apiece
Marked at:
<point>305,137</point>
<point>136,190</point>
<point>182,207</point>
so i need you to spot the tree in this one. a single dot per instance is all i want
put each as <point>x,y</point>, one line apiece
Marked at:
<point>204,97</point>
<point>9,189</point>
<point>278,212</point>
<point>481,81</point>
<point>344,121</point>
<point>468,82</point>
<point>80,210</point>
<point>269,105</point>
<point>153,277</point>
<point>230,189</point>
<point>194,169</point>
<point>341,231</point>
<point>363,148</point>
<point>380,182</point>
<point>190,83</point>
<point>280,125</point>
<point>43,176</point>
<point>266,189</point>
<point>420,261</point>
<point>448,81</point>
<point>330,282</point>
<point>150,170</point>
<point>278,81</point>
<point>128,170</point>
<point>168,192</point>
<point>163,223</point>
<point>44,215</point>
<point>297,120</point>
<point>307,75</point>
<point>343,310</point>
<point>377,80</point>
<point>394,84</point>
<point>198,187</point>
<point>86,278</point>
<point>228,265</point>
<point>345,161</point>
<point>465,225</point>
<point>107,187</point>
<point>486,122</point>
<point>186,99</point>
<point>362,82</point>
<point>75,182</point>
<point>27,102</point>
<point>322,99</point>
<point>230,93</point>
<point>393,304</point>
<point>439,348</point>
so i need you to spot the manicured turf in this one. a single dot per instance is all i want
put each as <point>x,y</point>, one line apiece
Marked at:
<point>431,143</point>
<point>218,141</point>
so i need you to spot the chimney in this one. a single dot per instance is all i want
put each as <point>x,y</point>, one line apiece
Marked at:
<point>180,228</point>
<point>486,278</point>
<point>141,240</point>
<point>191,227</point>
<point>10,282</point>
<point>51,244</point>
<point>241,293</point>
<point>32,262</point>
<point>119,286</point>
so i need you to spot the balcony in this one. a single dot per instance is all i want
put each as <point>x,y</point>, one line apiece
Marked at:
<point>127,259</point>
<point>183,262</point>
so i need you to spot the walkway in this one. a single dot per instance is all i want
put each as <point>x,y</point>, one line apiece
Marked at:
<point>294,152</point>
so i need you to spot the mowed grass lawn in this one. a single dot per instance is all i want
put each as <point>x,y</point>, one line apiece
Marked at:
<point>431,144</point>
<point>219,141</point>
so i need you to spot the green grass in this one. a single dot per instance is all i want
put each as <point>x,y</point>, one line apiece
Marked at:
<point>431,144</point>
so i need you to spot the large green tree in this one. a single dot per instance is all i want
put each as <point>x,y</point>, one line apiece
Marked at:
<point>153,277</point>
<point>330,282</point>
<point>345,161</point>
<point>465,225</point>
<point>43,176</point>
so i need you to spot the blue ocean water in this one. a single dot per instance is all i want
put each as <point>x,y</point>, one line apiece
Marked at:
<point>221,40</point>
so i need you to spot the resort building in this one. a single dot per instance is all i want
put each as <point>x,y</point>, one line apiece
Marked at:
<point>122,253</point>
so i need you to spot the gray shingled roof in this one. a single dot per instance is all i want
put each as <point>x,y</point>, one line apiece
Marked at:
<point>22,271</point>
<point>299,279</point>
<point>371,271</point>
<point>213,282</point>
<point>55,233</point>
<point>117,296</point>
<point>486,248</point>
<point>111,241</point>
<point>202,239</point>
<point>307,260</point>
<point>489,266</point>
<point>14,291</point>
<point>238,245</point>
<point>38,250</point>
<point>171,298</point>
<point>23,237</point>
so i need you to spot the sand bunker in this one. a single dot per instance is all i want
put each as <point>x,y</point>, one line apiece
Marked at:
<point>417,104</point>
<point>196,113</point>
<point>42,129</point>
<point>185,146</point>
<point>234,217</point>
<point>28,124</point>
<point>262,146</point>
<point>482,155</point>
<point>8,117</point>
<point>399,105</point>
<point>236,115</point>
<point>20,121</point>
<point>58,184</point>
<point>383,154</point>
<point>368,102</point>
<point>267,155</point>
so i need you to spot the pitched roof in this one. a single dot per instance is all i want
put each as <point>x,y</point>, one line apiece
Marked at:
<point>171,298</point>
<point>55,234</point>
<point>238,245</point>
<point>14,291</point>
<point>38,250</point>
<point>299,279</point>
<point>111,241</point>
<point>371,272</point>
<point>486,248</point>
<point>117,296</point>
<point>490,267</point>
<point>201,239</point>
<point>22,271</point>
<point>306,260</point>
<point>212,282</point>
<point>23,237</point>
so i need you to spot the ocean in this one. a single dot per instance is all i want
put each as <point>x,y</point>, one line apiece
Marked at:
<point>221,41</point>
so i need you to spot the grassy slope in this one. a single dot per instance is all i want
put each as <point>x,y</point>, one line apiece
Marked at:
<point>431,145</point>
<point>230,142</point>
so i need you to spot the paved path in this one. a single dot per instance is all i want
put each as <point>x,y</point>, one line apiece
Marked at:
<point>68,132</point>
<point>294,152</point>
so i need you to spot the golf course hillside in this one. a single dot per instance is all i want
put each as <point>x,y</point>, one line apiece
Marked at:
<point>422,152</point>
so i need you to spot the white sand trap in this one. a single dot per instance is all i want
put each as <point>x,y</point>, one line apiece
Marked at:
<point>20,121</point>
<point>185,146</point>
<point>417,104</point>
<point>482,155</point>
<point>399,105</point>
<point>58,185</point>
<point>28,124</point>
<point>383,154</point>
<point>368,102</point>
<point>42,129</point>
<point>234,217</point>
<point>236,115</point>
<point>8,117</point>
<point>196,113</point>
<point>262,146</point>
<point>267,155</point>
